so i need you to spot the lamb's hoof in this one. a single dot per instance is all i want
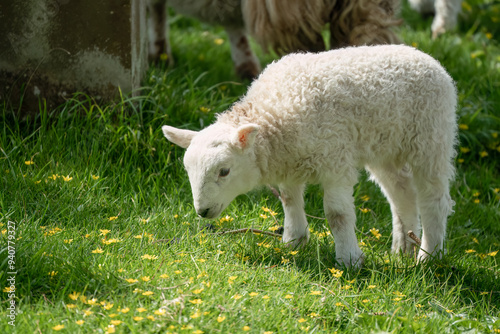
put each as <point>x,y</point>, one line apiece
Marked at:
<point>424,256</point>
<point>208,227</point>
<point>354,261</point>
<point>407,248</point>
<point>296,242</point>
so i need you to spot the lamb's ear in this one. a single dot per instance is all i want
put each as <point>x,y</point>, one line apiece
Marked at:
<point>245,136</point>
<point>179,137</point>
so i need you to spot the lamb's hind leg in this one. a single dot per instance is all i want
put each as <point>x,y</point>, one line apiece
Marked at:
<point>296,231</point>
<point>435,204</point>
<point>339,209</point>
<point>399,189</point>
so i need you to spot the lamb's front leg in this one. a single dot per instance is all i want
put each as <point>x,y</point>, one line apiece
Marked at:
<point>296,230</point>
<point>339,209</point>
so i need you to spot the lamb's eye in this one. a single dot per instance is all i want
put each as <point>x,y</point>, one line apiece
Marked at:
<point>224,172</point>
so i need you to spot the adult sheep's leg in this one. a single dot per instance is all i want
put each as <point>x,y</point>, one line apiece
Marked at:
<point>397,186</point>
<point>158,32</point>
<point>296,231</point>
<point>446,16</point>
<point>246,64</point>
<point>339,210</point>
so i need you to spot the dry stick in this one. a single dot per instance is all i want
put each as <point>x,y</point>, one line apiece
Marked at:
<point>414,237</point>
<point>417,240</point>
<point>245,230</point>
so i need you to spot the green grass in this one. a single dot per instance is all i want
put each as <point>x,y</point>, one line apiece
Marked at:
<point>102,177</point>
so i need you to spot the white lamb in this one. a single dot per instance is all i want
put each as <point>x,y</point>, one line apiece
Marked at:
<point>318,118</point>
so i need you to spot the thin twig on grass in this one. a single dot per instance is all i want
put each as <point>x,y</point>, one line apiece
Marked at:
<point>245,230</point>
<point>414,237</point>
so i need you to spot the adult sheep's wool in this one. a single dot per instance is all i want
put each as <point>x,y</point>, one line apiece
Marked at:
<point>319,118</point>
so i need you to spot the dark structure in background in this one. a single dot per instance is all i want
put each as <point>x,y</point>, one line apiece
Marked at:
<point>50,49</point>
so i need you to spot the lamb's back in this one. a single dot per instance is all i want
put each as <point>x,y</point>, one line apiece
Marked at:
<point>359,104</point>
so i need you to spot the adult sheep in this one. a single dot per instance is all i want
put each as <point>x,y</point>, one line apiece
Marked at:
<point>318,118</point>
<point>445,13</point>
<point>279,25</point>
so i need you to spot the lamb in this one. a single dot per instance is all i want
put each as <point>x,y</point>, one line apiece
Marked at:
<point>318,118</point>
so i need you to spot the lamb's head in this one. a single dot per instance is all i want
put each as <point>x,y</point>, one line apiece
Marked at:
<point>220,161</point>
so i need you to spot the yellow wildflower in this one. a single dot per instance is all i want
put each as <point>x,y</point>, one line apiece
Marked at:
<point>74,295</point>
<point>131,280</point>
<point>375,233</point>
<point>92,301</point>
<point>58,327</point>
<point>196,301</point>
<point>161,311</point>
<point>104,232</point>
<point>108,306</point>
<point>336,273</point>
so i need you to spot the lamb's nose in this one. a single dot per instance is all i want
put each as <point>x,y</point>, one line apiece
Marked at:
<point>203,213</point>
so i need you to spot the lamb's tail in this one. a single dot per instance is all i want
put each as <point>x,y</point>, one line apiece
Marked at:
<point>364,22</point>
<point>287,26</point>
<point>294,25</point>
